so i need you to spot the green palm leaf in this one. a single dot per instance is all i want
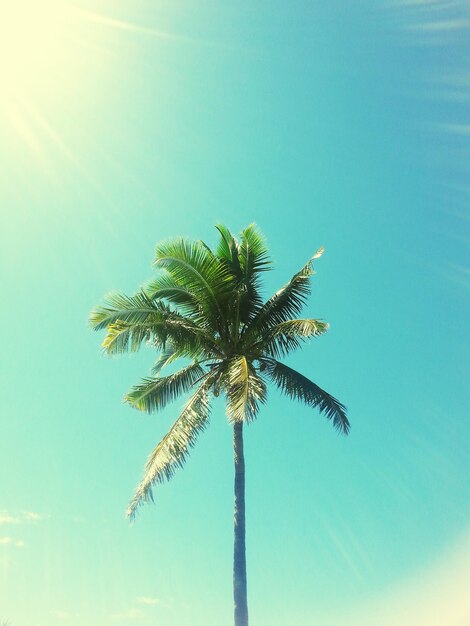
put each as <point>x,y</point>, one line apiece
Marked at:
<point>298,387</point>
<point>122,336</point>
<point>153,394</point>
<point>168,289</point>
<point>168,355</point>
<point>254,259</point>
<point>254,254</point>
<point>245,390</point>
<point>288,301</point>
<point>173,450</point>
<point>118,307</point>
<point>283,338</point>
<point>193,267</point>
<point>228,251</point>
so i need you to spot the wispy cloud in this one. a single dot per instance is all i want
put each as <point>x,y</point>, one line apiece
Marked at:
<point>21,518</point>
<point>441,25</point>
<point>31,516</point>
<point>130,614</point>
<point>6,541</point>
<point>456,129</point>
<point>148,601</point>
<point>7,518</point>
<point>65,615</point>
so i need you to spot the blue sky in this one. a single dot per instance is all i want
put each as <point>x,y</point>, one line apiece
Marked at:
<point>336,124</point>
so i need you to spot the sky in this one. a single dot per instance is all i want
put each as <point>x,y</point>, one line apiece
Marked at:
<point>340,124</point>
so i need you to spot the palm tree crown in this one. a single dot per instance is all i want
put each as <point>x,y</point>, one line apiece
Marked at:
<point>205,307</point>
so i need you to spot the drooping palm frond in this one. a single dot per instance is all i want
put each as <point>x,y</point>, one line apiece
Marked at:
<point>153,394</point>
<point>123,336</point>
<point>283,338</point>
<point>298,387</point>
<point>244,389</point>
<point>173,450</point>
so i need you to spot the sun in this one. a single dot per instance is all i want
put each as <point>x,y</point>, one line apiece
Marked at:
<point>59,64</point>
<point>54,65</point>
<point>32,34</point>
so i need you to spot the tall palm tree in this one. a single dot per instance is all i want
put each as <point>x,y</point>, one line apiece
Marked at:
<point>205,307</point>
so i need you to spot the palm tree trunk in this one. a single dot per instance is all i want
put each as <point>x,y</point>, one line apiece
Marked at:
<point>239,551</point>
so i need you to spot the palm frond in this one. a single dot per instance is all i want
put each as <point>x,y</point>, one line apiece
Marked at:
<point>228,250</point>
<point>118,307</point>
<point>254,253</point>
<point>166,288</point>
<point>173,450</point>
<point>283,338</point>
<point>254,259</point>
<point>168,355</point>
<point>153,394</point>
<point>186,337</point>
<point>244,390</point>
<point>298,387</point>
<point>288,301</point>
<point>122,336</point>
<point>192,266</point>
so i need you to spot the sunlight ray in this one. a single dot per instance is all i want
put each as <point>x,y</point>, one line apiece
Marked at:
<point>17,121</point>
<point>47,129</point>
<point>138,29</point>
<point>67,152</point>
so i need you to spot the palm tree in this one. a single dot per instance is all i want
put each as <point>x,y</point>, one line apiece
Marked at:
<point>205,307</point>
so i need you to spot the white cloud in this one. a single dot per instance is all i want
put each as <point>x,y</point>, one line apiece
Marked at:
<point>7,518</point>
<point>148,601</point>
<point>441,25</point>
<point>21,518</point>
<point>64,614</point>
<point>5,541</point>
<point>130,614</point>
<point>31,516</point>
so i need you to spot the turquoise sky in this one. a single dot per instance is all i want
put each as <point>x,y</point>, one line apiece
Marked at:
<point>343,124</point>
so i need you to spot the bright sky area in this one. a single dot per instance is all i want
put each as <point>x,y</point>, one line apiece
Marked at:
<point>343,124</point>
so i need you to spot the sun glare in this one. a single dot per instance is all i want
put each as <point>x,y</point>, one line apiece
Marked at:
<point>31,34</point>
<point>51,53</point>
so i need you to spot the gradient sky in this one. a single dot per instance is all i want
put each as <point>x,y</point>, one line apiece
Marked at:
<point>343,124</point>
